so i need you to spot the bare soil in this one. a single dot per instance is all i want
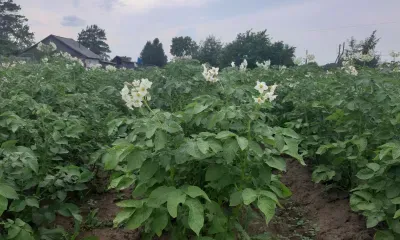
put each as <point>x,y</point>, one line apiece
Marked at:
<point>312,213</point>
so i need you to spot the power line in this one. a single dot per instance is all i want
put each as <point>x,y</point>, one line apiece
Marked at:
<point>351,26</point>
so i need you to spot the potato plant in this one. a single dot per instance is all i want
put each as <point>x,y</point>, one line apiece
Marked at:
<point>196,170</point>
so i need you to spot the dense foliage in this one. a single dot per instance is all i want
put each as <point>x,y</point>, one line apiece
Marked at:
<point>94,38</point>
<point>153,54</point>
<point>15,34</point>
<point>183,46</point>
<point>200,150</point>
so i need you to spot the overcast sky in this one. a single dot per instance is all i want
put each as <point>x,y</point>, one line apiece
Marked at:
<point>316,25</point>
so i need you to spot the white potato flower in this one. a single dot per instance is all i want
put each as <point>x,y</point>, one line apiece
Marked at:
<point>259,100</point>
<point>261,87</point>
<point>265,64</point>
<point>210,74</point>
<point>351,70</point>
<point>243,66</point>
<point>53,46</point>
<point>110,68</point>
<point>266,93</point>
<point>135,96</point>
<point>40,46</point>
<point>45,60</point>
<point>233,64</point>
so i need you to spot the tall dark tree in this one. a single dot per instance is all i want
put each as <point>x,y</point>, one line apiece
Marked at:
<point>15,34</point>
<point>153,54</point>
<point>209,51</point>
<point>183,46</point>
<point>95,39</point>
<point>256,47</point>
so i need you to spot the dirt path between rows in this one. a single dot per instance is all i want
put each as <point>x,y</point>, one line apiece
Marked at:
<point>312,213</point>
<point>329,210</point>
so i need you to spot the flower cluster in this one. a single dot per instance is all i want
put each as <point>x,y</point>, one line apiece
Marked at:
<point>211,75</point>
<point>243,66</point>
<point>233,64</point>
<point>368,57</point>
<point>182,58</point>
<point>8,65</point>
<point>111,68</point>
<point>297,61</point>
<point>51,47</point>
<point>138,93</point>
<point>265,64</point>
<point>70,58</point>
<point>350,70</point>
<point>266,93</point>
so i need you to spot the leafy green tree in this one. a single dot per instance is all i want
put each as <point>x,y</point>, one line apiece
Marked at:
<point>209,51</point>
<point>95,39</point>
<point>15,34</point>
<point>256,47</point>
<point>153,53</point>
<point>183,46</point>
<point>365,47</point>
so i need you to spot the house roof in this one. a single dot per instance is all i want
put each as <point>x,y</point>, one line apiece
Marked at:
<point>77,47</point>
<point>123,59</point>
<point>71,43</point>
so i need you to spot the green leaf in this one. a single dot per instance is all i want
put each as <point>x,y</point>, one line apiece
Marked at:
<point>160,221</point>
<point>395,200</point>
<point>122,216</point>
<point>174,199</point>
<point>267,206</point>
<point>290,133</point>
<point>270,195</point>
<point>148,169</point>
<point>196,215</point>
<point>8,192</point>
<point>373,166</point>
<point>365,174</point>
<point>276,162</point>
<point>383,235</point>
<point>214,172</point>
<point>160,140</point>
<point>215,145</point>
<point>230,149</point>
<point>361,144</point>
<point>138,218</point>
<point>159,196</point>
<point>135,159</point>
<point>249,196</point>
<point>225,134</point>
<point>110,160</point>
<point>397,214</point>
<point>194,191</point>
<point>235,199</point>
<point>203,146</point>
<point>3,204</point>
<point>32,202</point>
<point>292,149</point>
<point>255,147</point>
<point>243,142</point>
<point>150,130</point>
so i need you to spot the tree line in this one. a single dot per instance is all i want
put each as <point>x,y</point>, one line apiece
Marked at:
<point>15,36</point>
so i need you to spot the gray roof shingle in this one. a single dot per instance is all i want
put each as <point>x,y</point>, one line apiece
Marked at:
<point>77,47</point>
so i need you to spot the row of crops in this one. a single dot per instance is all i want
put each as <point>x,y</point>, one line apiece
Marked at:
<point>197,147</point>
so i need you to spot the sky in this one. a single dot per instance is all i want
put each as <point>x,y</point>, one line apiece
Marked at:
<point>318,26</point>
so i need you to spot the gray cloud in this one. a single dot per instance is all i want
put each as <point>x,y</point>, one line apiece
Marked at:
<point>72,21</point>
<point>109,4</point>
